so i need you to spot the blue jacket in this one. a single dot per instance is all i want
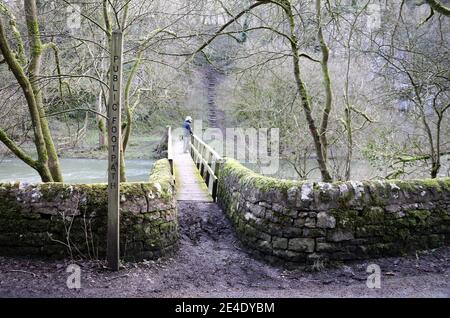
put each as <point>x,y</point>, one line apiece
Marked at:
<point>188,129</point>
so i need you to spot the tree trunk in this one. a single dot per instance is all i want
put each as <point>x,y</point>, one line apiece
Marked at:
<point>101,123</point>
<point>128,110</point>
<point>326,82</point>
<point>123,173</point>
<point>306,102</point>
<point>439,7</point>
<point>436,164</point>
<point>42,162</point>
<point>348,159</point>
<point>34,69</point>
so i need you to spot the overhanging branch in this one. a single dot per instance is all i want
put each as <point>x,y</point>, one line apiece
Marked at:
<point>16,150</point>
<point>439,7</point>
<point>75,110</point>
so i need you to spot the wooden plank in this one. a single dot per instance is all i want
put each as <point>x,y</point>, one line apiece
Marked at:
<point>189,184</point>
<point>196,172</point>
<point>207,162</point>
<point>114,143</point>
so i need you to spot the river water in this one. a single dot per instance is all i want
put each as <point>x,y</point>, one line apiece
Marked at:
<point>75,171</point>
<point>361,170</point>
<point>94,170</point>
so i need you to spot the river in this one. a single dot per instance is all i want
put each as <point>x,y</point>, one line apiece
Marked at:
<point>75,171</point>
<point>361,170</point>
<point>94,170</point>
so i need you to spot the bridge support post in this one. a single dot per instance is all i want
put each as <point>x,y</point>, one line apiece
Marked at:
<point>170,148</point>
<point>217,168</point>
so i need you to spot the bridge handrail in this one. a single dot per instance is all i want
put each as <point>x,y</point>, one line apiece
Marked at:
<point>208,147</point>
<point>208,162</point>
<point>170,148</point>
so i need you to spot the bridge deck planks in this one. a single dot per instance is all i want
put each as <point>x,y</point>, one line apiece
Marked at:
<point>189,184</point>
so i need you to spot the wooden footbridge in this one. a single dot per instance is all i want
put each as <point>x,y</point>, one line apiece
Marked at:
<point>196,171</point>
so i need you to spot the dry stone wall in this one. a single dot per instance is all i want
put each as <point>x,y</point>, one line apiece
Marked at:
<point>304,222</point>
<point>60,220</point>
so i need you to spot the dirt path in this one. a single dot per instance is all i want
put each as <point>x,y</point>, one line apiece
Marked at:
<point>216,117</point>
<point>212,263</point>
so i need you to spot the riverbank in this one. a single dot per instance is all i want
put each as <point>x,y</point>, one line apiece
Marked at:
<point>140,147</point>
<point>75,170</point>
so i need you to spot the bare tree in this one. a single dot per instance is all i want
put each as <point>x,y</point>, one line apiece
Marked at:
<point>26,70</point>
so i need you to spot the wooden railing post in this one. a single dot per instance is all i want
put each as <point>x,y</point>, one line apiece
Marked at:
<point>208,162</point>
<point>206,174</point>
<point>202,156</point>
<point>170,148</point>
<point>217,167</point>
<point>191,146</point>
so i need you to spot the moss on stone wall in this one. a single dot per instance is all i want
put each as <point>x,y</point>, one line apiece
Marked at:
<point>247,176</point>
<point>162,178</point>
<point>301,222</point>
<point>56,219</point>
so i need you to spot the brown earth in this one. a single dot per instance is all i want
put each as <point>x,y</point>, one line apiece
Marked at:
<point>212,263</point>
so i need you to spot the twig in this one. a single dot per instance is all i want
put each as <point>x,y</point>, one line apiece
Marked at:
<point>116,277</point>
<point>76,110</point>
<point>21,271</point>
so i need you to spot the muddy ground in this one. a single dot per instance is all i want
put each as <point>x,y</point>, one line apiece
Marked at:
<point>212,263</point>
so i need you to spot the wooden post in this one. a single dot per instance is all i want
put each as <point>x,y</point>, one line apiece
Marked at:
<point>207,175</point>
<point>191,147</point>
<point>217,168</point>
<point>169,148</point>
<point>115,145</point>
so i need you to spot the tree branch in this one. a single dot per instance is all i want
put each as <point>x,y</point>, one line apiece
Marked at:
<point>72,76</point>
<point>226,25</point>
<point>405,159</point>
<point>15,149</point>
<point>87,17</point>
<point>361,113</point>
<point>75,110</point>
<point>439,7</point>
<point>18,37</point>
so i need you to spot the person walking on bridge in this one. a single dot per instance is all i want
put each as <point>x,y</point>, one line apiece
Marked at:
<point>187,133</point>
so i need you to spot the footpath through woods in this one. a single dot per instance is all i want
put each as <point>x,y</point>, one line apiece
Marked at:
<point>211,262</point>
